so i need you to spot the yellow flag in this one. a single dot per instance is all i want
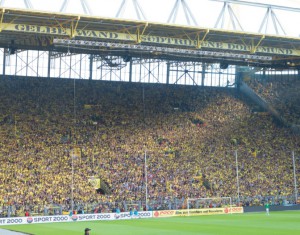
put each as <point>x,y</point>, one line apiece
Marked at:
<point>95,182</point>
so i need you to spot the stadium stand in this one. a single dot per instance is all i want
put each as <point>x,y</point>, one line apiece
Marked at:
<point>189,134</point>
<point>282,94</point>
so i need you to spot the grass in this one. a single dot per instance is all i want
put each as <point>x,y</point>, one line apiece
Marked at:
<point>278,223</point>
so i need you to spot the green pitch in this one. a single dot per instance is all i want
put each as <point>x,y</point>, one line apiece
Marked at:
<point>278,223</point>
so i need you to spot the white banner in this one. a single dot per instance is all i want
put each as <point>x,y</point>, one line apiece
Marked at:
<point>36,219</point>
<point>141,215</point>
<point>197,212</point>
<point>115,216</point>
<point>90,217</point>
<point>11,221</point>
<point>55,219</point>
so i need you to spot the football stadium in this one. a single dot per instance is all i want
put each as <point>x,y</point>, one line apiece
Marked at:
<point>149,117</point>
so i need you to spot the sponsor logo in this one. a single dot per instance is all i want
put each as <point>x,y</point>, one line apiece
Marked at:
<point>117,216</point>
<point>74,217</point>
<point>144,214</point>
<point>233,210</point>
<point>236,209</point>
<point>125,215</point>
<point>166,213</point>
<point>29,220</point>
<point>104,216</point>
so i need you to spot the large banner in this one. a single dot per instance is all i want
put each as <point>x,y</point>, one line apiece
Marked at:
<point>197,212</point>
<point>73,218</point>
<point>36,219</point>
<point>151,39</point>
<point>55,219</point>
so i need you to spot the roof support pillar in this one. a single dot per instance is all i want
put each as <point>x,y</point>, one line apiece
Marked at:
<point>168,73</point>
<point>4,60</point>
<point>203,74</point>
<point>130,71</point>
<point>91,67</point>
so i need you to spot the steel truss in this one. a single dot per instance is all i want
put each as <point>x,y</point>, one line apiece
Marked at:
<point>187,12</point>
<point>227,12</point>
<point>160,68</point>
<point>113,68</point>
<point>232,17</point>
<point>84,66</point>
<point>137,7</point>
<point>270,16</point>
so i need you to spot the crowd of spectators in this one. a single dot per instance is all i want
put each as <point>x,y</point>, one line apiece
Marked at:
<point>189,135</point>
<point>281,93</point>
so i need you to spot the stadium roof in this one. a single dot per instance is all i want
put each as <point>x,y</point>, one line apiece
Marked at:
<point>37,30</point>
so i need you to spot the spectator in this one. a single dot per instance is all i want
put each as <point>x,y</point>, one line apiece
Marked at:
<point>87,231</point>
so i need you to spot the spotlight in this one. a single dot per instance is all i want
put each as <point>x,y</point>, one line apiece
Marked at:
<point>223,65</point>
<point>126,58</point>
